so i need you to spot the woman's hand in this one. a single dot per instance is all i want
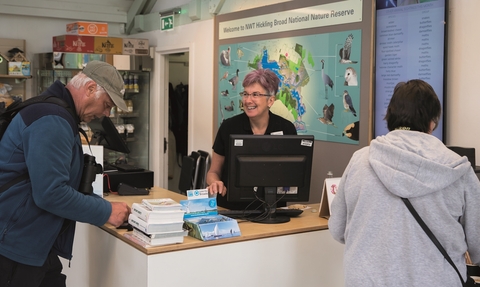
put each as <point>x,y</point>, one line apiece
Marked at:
<point>217,187</point>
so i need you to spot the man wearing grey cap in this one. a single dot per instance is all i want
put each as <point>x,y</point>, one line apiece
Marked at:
<point>38,215</point>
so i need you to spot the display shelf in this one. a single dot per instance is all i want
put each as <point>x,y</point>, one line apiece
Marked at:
<point>47,71</point>
<point>128,115</point>
<point>15,77</point>
<point>18,87</point>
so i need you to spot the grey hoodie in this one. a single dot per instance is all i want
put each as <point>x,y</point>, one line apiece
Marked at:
<point>384,244</point>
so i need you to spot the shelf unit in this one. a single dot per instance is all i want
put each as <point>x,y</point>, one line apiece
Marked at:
<point>47,73</point>
<point>17,82</point>
<point>14,77</point>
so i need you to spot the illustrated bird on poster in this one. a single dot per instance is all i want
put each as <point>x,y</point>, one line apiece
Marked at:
<point>225,57</point>
<point>327,81</point>
<point>230,107</point>
<point>239,53</point>
<point>347,103</point>
<point>225,93</point>
<point>346,51</point>
<point>350,77</point>
<point>352,131</point>
<point>225,76</point>
<point>234,80</point>
<point>327,115</point>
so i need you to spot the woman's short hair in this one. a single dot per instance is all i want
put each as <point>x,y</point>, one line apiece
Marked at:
<point>414,105</point>
<point>265,78</point>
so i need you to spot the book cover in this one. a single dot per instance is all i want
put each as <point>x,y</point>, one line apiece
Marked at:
<point>161,239</point>
<point>199,207</point>
<point>212,227</point>
<point>154,216</point>
<point>154,227</point>
<point>160,204</point>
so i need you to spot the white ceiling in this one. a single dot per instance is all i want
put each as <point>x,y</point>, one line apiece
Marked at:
<point>119,11</point>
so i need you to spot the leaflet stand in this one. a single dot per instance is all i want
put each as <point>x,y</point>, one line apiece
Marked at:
<point>329,190</point>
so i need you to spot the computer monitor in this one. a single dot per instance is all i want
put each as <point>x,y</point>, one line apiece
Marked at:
<point>105,133</point>
<point>269,168</point>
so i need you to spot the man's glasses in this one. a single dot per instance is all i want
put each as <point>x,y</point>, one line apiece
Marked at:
<point>254,95</point>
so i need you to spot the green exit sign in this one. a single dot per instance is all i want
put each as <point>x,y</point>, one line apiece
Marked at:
<point>166,23</point>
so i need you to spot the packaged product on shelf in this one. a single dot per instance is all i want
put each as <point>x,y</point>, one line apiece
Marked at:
<point>129,104</point>
<point>87,28</point>
<point>130,130</point>
<point>113,112</point>
<point>120,129</point>
<point>73,44</point>
<point>125,81</point>
<point>135,84</point>
<point>130,82</point>
<point>135,47</point>
<point>108,45</point>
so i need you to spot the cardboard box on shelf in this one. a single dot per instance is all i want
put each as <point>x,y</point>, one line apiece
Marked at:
<point>88,28</point>
<point>73,44</point>
<point>108,45</point>
<point>135,47</point>
<point>19,65</point>
<point>19,68</point>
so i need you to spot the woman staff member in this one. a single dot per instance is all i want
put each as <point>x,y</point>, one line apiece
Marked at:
<point>260,88</point>
<point>384,244</point>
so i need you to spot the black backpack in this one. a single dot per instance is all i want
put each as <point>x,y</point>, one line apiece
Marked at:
<point>7,116</point>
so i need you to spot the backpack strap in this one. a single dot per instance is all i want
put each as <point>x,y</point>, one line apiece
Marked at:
<point>14,108</point>
<point>432,237</point>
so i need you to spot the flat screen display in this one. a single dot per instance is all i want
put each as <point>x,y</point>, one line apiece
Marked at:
<point>105,133</point>
<point>410,44</point>
<point>282,162</point>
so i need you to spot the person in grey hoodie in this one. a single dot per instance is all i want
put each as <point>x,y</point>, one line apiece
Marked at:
<point>384,244</point>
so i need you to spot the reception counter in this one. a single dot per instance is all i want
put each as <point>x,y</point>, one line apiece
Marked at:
<point>298,253</point>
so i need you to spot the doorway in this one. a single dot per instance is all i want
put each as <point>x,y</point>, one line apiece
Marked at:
<point>177,138</point>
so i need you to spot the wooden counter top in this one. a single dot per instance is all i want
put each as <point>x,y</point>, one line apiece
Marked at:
<point>306,222</point>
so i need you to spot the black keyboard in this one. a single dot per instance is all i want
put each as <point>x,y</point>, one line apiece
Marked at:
<point>126,167</point>
<point>247,213</point>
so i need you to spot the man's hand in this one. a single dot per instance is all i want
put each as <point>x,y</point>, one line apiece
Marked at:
<point>120,212</point>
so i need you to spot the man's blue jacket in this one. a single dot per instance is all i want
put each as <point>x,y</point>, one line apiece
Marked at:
<point>38,215</point>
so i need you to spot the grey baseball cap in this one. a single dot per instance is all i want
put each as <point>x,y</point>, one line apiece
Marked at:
<point>109,78</point>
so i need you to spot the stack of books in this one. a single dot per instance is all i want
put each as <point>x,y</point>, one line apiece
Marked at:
<point>158,221</point>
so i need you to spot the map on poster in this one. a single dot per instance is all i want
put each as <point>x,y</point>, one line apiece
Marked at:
<point>319,81</point>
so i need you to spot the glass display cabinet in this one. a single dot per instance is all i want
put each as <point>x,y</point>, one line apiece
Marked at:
<point>133,125</point>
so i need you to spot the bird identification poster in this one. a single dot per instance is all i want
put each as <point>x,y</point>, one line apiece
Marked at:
<point>330,187</point>
<point>319,90</point>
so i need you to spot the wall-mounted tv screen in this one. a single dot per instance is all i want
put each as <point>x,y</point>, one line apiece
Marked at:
<point>410,44</point>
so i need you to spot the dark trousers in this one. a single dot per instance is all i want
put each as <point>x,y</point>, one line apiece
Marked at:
<point>14,274</point>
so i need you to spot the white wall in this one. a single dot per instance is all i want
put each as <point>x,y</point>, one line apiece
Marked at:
<point>197,39</point>
<point>462,96</point>
<point>38,33</point>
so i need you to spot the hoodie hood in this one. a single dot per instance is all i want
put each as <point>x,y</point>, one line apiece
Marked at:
<point>412,164</point>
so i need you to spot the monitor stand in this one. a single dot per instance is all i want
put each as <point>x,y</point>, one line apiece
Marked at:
<point>270,216</point>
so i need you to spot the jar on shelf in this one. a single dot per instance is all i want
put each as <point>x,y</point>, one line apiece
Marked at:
<point>130,82</point>
<point>113,111</point>
<point>135,84</point>
<point>129,104</point>
<point>125,81</point>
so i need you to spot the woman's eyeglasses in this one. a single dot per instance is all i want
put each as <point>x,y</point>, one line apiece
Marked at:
<point>254,95</point>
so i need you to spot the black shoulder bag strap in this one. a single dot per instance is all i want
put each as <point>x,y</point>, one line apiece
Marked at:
<point>432,237</point>
<point>14,110</point>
